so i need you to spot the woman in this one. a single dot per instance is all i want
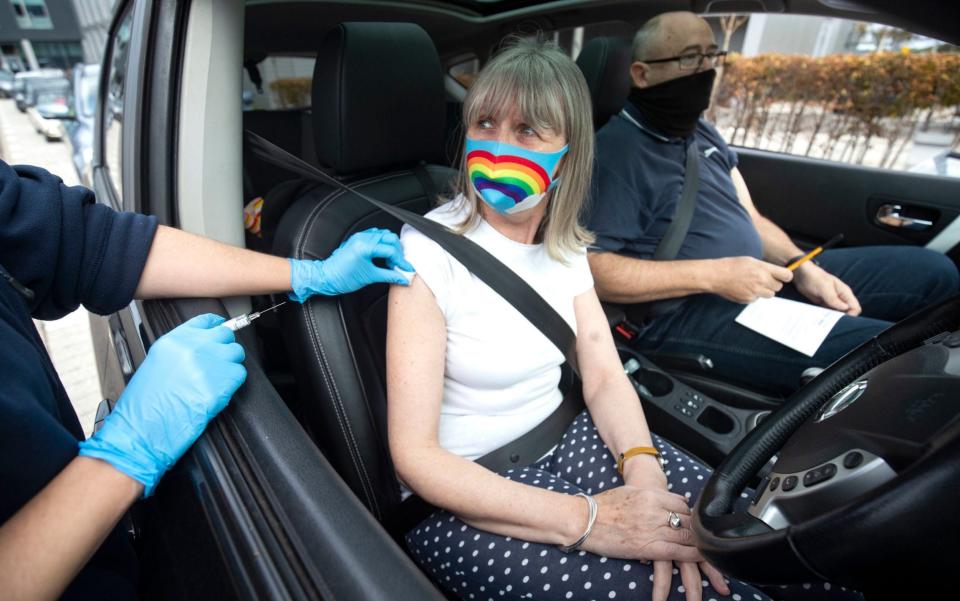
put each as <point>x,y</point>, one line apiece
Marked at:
<point>468,374</point>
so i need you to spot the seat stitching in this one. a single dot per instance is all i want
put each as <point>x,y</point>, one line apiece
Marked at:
<point>342,421</point>
<point>320,354</point>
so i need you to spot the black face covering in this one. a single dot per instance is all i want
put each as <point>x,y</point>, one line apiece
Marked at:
<point>674,106</point>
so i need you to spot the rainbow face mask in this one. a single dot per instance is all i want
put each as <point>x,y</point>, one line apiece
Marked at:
<point>508,178</point>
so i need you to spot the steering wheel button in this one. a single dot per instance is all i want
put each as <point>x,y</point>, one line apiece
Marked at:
<point>852,459</point>
<point>789,483</point>
<point>774,483</point>
<point>820,474</point>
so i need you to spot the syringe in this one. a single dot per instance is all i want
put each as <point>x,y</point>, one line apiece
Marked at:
<point>241,321</point>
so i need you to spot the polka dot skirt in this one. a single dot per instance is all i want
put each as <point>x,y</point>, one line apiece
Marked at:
<point>474,564</point>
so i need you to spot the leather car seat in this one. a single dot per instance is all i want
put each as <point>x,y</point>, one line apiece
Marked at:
<point>378,124</point>
<point>605,63</point>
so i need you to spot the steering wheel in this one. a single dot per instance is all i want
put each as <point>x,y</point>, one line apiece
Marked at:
<point>866,483</point>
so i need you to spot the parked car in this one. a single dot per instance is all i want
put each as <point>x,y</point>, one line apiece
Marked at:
<point>50,108</point>
<point>79,127</point>
<point>23,82</point>
<point>6,83</point>
<point>287,492</point>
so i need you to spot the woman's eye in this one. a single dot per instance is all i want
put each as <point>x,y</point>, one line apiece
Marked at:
<point>527,131</point>
<point>485,124</point>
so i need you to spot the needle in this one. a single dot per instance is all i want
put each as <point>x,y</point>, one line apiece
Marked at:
<point>241,321</point>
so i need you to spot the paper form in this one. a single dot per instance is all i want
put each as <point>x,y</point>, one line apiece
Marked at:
<point>800,326</point>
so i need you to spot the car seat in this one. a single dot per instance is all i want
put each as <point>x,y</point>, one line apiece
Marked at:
<point>605,63</point>
<point>378,124</point>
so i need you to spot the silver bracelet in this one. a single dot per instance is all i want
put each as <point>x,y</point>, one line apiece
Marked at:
<point>590,520</point>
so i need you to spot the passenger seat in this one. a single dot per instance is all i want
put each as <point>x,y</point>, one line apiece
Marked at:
<point>378,124</point>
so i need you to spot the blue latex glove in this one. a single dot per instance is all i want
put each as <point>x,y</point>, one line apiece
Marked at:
<point>350,267</point>
<point>187,377</point>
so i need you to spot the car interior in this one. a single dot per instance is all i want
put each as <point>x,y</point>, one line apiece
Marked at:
<point>383,118</point>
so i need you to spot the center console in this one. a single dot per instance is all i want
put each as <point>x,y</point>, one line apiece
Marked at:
<point>698,423</point>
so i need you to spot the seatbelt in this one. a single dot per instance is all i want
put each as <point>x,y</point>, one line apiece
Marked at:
<point>672,241</point>
<point>670,244</point>
<point>535,443</point>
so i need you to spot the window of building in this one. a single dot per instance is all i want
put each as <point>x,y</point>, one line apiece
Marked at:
<point>839,90</point>
<point>32,14</point>
<point>60,55</point>
<point>113,103</point>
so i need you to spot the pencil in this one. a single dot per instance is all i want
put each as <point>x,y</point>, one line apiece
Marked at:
<point>815,252</point>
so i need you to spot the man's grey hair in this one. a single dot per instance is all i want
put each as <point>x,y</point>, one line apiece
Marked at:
<point>645,42</point>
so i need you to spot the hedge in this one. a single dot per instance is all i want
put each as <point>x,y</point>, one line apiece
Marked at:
<point>837,106</point>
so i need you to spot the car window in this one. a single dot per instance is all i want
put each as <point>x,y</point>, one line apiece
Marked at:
<point>113,103</point>
<point>286,84</point>
<point>838,89</point>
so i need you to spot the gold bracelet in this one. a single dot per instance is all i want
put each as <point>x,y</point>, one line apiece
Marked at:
<point>638,451</point>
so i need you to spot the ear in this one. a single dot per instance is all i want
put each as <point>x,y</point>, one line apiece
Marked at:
<point>638,74</point>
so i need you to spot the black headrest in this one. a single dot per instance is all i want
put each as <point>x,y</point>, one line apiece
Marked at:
<point>377,97</point>
<point>605,63</point>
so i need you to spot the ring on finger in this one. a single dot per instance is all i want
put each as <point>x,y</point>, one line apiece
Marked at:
<point>673,520</point>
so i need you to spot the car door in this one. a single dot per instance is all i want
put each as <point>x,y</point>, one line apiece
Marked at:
<point>852,132</point>
<point>253,510</point>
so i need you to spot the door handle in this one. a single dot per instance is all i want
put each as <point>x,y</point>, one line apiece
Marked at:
<point>890,215</point>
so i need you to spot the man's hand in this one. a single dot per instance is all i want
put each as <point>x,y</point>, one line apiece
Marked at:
<point>745,279</point>
<point>825,289</point>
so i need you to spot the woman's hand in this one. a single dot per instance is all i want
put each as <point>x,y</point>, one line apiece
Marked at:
<point>351,266</point>
<point>664,545</point>
<point>632,524</point>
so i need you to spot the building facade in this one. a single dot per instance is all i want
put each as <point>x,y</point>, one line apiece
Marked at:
<point>38,33</point>
<point>94,17</point>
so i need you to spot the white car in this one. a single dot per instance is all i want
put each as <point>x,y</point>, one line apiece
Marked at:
<point>46,115</point>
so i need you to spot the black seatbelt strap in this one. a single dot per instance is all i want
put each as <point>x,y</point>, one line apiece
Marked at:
<point>535,443</point>
<point>670,244</point>
<point>672,241</point>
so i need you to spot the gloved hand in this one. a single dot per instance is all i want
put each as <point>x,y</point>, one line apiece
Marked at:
<point>350,267</point>
<point>187,377</point>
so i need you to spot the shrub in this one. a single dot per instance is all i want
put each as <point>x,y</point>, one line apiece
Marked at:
<point>837,106</point>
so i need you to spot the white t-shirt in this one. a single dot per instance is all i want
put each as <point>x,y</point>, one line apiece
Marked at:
<point>501,372</point>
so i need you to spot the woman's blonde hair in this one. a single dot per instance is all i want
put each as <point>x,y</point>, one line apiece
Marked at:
<point>549,91</point>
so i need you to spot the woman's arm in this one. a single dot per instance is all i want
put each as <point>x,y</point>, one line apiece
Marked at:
<point>628,524</point>
<point>44,545</point>
<point>416,350</point>
<point>610,398</point>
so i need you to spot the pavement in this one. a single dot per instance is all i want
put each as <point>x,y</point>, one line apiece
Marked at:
<point>68,339</point>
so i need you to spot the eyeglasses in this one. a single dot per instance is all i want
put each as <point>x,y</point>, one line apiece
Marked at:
<point>695,60</point>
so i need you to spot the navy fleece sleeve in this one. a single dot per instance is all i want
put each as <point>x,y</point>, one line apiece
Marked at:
<point>69,250</point>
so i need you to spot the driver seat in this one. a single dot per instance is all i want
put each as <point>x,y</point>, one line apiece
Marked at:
<point>378,125</point>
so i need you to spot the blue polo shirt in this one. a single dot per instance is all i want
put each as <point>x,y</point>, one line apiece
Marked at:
<point>69,251</point>
<point>637,184</point>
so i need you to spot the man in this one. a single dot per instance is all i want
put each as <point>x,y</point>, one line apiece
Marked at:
<point>731,255</point>
<point>62,496</point>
